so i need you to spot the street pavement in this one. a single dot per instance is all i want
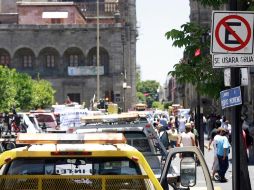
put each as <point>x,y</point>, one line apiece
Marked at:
<point>228,185</point>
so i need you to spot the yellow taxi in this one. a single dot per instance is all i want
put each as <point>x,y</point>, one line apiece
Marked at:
<point>95,161</point>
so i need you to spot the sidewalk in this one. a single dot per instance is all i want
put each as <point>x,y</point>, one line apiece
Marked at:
<point>228,185</point>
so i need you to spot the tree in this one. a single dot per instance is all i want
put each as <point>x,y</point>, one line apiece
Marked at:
<point>188,38</point>
<point>7,89</point>
<point>213,3</point>
<point>158,105</point>
<point>146,90</point>
<point>141,97</point>
<point>43,94</point>
<point>149,90</point>
<point>19,90</point>
<point>195,67</point>
<point>24,87</point>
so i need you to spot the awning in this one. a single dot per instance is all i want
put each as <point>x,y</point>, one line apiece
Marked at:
<point>55,15</point>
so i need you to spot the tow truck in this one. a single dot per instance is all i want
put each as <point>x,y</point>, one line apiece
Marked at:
<point>173,168</point>
<point>98,161</point>
<point>139,134</point>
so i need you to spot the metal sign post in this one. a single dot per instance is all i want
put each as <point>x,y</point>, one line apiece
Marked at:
<point>232,47</point>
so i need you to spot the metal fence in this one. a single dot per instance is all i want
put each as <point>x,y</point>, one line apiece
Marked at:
<point>54,182</point>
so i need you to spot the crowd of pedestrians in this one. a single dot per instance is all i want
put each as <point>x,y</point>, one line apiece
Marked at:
<point>182,132</point>
<point>175,132</point>
<point>11,123</point>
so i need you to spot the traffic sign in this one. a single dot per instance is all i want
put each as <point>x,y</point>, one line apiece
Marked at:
<point>232,32</point>
<point>231,97</point>
<point>232,60</point>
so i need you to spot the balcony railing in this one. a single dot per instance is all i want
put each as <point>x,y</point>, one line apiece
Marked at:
<point>105,9</point>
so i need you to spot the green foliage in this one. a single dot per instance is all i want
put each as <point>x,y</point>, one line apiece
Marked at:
<point>19,90</point>
<point>196,70</point>
<point>213,3</point>
<point>141,97</point>
<point>148,89</point>
<point>251,6</point>
<point>43,94</point>
<point>7,89</point>
<point>148,86</point>
<point>157,105</point>
<point>23,85</point>
<point>167,104</point>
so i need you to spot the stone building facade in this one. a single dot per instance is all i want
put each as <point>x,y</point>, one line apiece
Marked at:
<point>57,41</point>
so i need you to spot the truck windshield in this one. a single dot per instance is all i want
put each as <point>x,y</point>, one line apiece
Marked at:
<point>44,118</point>
<point>138,140</point>
<point>73,166</point>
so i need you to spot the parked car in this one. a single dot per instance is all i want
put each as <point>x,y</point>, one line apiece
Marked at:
<point>46,119</point>
<point>29,123</point>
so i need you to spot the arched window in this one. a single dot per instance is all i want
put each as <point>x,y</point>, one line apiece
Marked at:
<point>73,60</point>
<point>4,58</point>
<point>74,57</point>
<point>27,61</point>
<point>24,58</point>
<point>50,61</point>
<point>104,58</point>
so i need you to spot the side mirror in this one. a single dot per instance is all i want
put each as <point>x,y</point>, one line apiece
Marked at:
<point>188,172</point>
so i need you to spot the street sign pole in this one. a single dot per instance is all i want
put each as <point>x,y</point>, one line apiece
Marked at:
<point>236,133</point>
<point>236,126</point>
<point>232,47</point>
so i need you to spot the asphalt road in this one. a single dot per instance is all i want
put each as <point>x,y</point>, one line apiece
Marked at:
<point>228,185</point>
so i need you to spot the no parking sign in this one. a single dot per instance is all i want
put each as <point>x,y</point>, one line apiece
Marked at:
<point>232,39</point>
<point>232,32</point>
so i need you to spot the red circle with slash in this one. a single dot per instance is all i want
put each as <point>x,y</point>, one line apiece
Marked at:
<point>242,42</point>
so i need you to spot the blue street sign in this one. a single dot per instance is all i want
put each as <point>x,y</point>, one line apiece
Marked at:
<point>231,97</point>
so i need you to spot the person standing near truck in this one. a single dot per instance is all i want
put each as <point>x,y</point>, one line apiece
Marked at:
<point>7,122</point>
<point>187,138</point>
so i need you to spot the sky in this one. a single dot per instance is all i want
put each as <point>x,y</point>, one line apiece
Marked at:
<point>155,54</point>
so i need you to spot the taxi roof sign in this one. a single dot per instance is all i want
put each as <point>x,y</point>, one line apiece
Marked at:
<point>61,138</point>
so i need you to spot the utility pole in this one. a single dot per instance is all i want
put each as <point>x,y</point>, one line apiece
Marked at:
<point>239,157</point>
<point>198,116</point>
<point>98,50</point>
<point>236,132</point>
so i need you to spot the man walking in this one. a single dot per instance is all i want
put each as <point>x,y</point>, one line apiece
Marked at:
<point>223,148</point>
<point>187,138</point>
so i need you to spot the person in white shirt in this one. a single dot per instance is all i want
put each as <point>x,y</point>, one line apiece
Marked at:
<point>215,167</point>
<point>187,138</point>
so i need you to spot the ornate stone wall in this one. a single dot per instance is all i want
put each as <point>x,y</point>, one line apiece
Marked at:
<point>49,51</point>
